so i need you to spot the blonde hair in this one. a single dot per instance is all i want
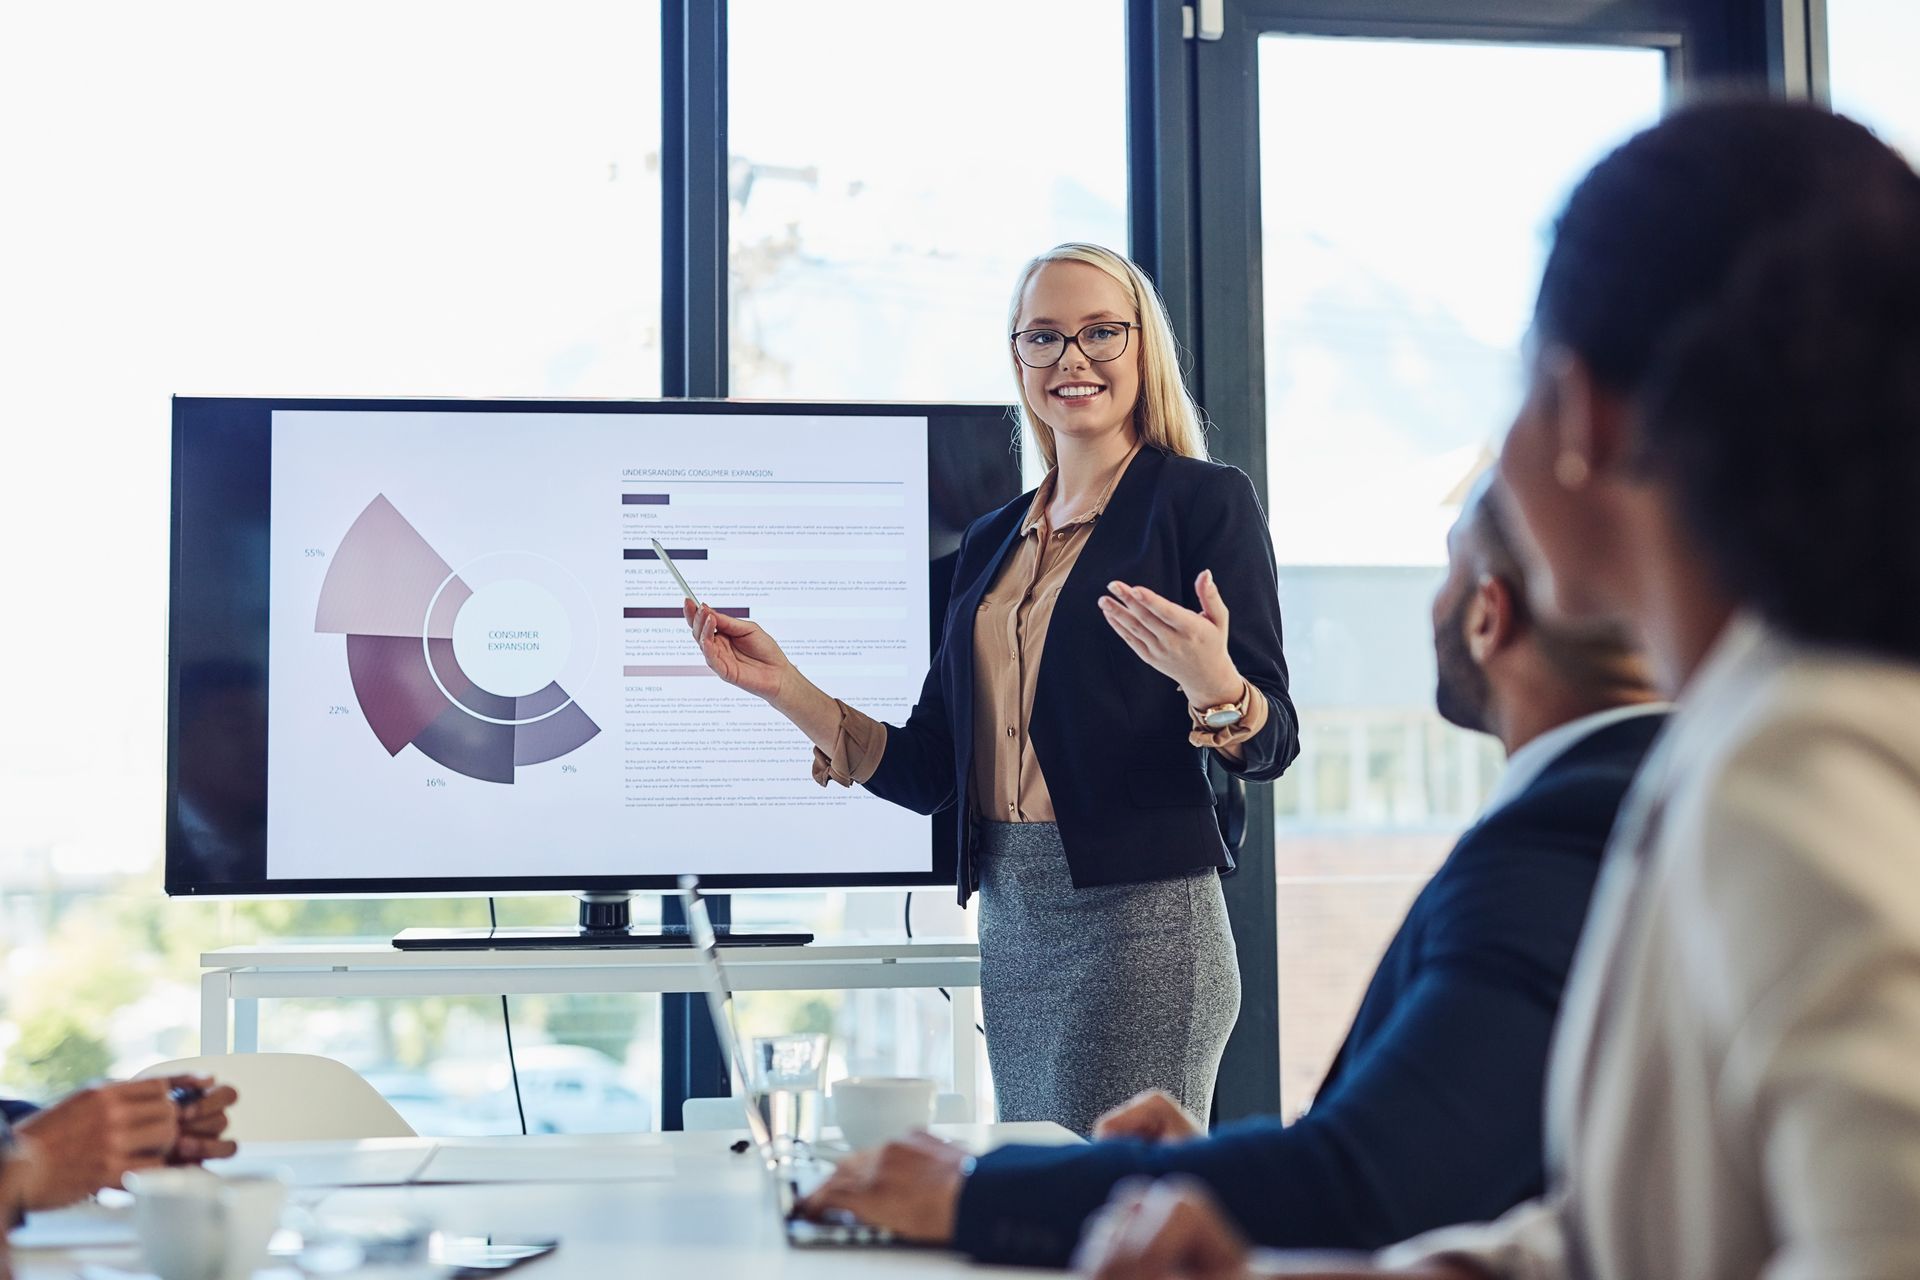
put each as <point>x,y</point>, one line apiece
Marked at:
<point>1164,416</point>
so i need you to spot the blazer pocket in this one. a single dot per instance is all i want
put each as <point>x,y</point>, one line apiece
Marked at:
<point>1169,788</point>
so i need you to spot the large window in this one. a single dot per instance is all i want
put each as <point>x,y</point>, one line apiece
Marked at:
<point>300,198</point>
<point>893,166</point>
<point>1406,193</point>
<point>1871,48</point>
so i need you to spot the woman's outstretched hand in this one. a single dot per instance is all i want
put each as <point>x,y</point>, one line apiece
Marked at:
<point>739,652</point>
<point>745,656</point>
<point>1189,648</point>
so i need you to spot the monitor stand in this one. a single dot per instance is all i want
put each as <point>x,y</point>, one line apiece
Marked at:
<point>606,923</point>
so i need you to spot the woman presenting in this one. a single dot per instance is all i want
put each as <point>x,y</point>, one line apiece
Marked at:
<point>1087,667</point>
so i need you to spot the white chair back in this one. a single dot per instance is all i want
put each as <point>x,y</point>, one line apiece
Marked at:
<point>293,1097</point>
<point>705,1115</point>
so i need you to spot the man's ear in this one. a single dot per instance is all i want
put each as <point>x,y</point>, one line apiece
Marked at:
<point>1493,618</point>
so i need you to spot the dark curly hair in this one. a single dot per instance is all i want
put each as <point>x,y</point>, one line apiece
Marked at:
<point>1748,273</point>
<point>1787,417</point>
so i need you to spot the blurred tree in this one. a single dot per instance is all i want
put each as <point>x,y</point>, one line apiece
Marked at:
<point>106,951</point>
<point>63,1006</point>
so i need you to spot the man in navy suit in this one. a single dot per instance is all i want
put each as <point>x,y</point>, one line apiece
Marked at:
<point>1431,1112</point>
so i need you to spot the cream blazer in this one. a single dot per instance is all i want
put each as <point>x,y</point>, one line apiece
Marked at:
<point>1734,1089</point>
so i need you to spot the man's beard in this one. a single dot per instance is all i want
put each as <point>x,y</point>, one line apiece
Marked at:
<point>1461,692</point>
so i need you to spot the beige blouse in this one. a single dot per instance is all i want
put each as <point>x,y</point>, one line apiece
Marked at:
<point>1009,635</point>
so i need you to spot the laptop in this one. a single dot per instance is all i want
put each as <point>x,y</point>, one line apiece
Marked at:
<point>793,1174</point>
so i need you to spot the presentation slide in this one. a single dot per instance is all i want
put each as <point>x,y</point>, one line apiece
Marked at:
<point>478,665</point>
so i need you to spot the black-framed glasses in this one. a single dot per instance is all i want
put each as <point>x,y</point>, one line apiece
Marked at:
<point>1101,341</point>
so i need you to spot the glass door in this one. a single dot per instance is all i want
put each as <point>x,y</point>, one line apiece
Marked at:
<point>1403,187</point>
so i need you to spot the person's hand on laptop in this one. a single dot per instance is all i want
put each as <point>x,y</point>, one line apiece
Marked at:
<point>1152,1116</point>
<point>910,1187</point>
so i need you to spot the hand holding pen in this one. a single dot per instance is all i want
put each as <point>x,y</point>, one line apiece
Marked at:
<point>92,1138</point>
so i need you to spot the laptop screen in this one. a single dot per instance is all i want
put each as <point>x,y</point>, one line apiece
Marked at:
<point>720,1006</point>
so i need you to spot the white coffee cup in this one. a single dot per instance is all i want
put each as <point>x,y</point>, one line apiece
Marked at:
<point>195,1225</point>
<point>876,1109</point>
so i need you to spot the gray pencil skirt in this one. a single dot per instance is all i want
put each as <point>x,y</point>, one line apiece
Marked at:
<point>1092,995</point>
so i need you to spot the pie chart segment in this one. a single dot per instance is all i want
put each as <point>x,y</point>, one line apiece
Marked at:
<point>446,608</point>
<point>545,702</point>
<point>461,689</point>
<point>408,618</point>
<point>395,690</point>
<point>478,748</point>
<point>383,578</point>
<point>564,731</point>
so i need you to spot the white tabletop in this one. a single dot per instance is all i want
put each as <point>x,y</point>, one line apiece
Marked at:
<point>378,954</point>
<point>709,1215</point>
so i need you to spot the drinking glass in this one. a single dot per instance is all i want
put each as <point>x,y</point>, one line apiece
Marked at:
<point>789,1073</point>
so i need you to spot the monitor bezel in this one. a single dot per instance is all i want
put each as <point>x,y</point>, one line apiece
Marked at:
<point>942,835</point>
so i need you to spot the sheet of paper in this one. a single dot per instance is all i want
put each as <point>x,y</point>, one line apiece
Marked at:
<point>374,1162</point>
<point>84,1226</point>
<point>532,1160</point>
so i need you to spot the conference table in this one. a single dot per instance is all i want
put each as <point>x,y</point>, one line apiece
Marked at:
<point>658,1203</point>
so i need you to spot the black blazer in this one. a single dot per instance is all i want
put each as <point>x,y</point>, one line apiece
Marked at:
<point>1431,1113</point>
<point>1129,791</point>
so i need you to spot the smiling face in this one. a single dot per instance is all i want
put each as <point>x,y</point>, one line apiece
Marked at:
<point>1081,399</point>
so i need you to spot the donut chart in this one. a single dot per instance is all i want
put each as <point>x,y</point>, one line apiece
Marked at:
<point>464,666</point>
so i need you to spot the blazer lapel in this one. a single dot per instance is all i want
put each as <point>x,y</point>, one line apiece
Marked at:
<point>1578,1089</point>
<point>1090,574</point>
<point>1122,513</point>
<point>1615,921</point>
<point>1591,989</point>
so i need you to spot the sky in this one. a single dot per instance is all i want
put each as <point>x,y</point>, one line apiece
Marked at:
<point>1407,191</point>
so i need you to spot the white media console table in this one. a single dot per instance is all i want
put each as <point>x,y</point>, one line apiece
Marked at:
<point>235,979</point>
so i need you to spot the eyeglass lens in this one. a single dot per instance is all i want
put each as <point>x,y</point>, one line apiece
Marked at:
<point>1042,348</point>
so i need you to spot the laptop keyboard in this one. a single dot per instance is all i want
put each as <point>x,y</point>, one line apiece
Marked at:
<point>840,1229</point>
<point>840,1234</point>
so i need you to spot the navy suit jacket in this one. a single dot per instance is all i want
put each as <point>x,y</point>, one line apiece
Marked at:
<point>1130,793</point>
<point>1432,1111</point>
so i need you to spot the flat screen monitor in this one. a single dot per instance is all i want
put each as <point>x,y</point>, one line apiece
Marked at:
<point>428,646</point>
